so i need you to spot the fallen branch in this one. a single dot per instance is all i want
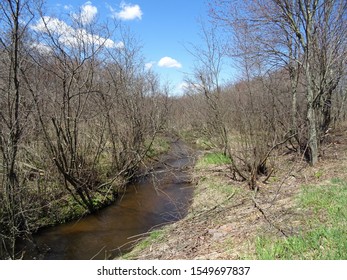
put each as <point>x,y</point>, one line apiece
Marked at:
<point>256,205</point>
<point>214,207</point>
<point>268,176</point>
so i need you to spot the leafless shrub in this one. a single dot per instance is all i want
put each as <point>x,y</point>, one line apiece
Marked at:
<point>78,114</point>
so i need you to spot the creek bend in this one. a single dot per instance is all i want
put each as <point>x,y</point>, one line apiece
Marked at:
<point>161,197</point>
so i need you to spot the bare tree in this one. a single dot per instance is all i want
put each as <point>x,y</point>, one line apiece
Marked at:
<point>14,111</point>
<point>314,36</point>
<point>78,114</point>
<point>228,114</point>
<point>99,109</point>
<point>206,82</point>
<point>63,103</point>
<point>135,106</point>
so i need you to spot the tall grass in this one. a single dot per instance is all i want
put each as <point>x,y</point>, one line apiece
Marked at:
<point>159,146</point>
<point>327,223</point>
<point>215,158</point>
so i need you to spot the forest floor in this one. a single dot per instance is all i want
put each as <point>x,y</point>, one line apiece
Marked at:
<point>299,213</point>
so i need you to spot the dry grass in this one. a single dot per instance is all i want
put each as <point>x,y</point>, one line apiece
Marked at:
<point>225,217</point>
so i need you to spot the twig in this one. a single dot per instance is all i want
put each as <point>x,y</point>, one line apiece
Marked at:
<point>103,248</point>
<point>214,207</point>
<point>268,176</point>
<point>274,147</point>
<point>256,205</point>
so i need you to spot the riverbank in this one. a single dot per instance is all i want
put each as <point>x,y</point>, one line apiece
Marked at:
<point>299,213</point>
<point>161,194</point>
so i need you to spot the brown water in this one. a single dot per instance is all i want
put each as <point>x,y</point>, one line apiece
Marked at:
<point>161,197</point>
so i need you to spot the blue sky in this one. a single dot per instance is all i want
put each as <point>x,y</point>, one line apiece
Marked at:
<point>164,28</point>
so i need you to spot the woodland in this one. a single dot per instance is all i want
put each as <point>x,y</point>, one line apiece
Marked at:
<point>80,114</point>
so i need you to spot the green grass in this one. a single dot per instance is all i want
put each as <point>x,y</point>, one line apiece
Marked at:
<point>158,147</point>
<point>204,144</point>
<point>319,244</point>
<point>194,137</point>
<point>328,200</point>
<point>224,189</point>
<point>213,158</point>
<point>318,174</point>
<point>327,223</point>
<point>154,236</point>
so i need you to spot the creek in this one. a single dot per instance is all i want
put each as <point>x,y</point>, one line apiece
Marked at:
<point>161,197</point>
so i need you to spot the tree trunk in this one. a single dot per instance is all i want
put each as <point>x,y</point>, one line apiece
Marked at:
<point>312,127</point>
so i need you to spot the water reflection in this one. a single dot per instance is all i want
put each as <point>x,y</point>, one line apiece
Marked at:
<point>155,200</point>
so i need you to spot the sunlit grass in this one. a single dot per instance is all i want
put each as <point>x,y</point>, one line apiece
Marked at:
<point>158,147</point>
<point>213,159</point>
<point>327,236</point>
<point>224,189</point>
<point>153,237</point>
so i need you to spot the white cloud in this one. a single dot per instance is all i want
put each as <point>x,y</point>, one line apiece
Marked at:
<point>87,14</point>
<point>41,48</point>
<point>149,65</point>
<point>52,25</point>
<point>189,87</point>
<point>127,12</point>
<point>108,43</point>
<point>183,87</point>
<point>68,7</point>
<point>169,62</point>
<point>69,36</point>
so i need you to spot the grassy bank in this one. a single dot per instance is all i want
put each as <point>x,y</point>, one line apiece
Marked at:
<point>159,146</point>
<point>325,236</point>
<point>299,214</point>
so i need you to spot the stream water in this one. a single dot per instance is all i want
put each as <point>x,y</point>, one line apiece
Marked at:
<point>161,197</point>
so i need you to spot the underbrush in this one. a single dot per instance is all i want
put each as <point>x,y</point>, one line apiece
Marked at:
<point>300,212</point>
<point>160,145</point>
<point>213,158</point>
